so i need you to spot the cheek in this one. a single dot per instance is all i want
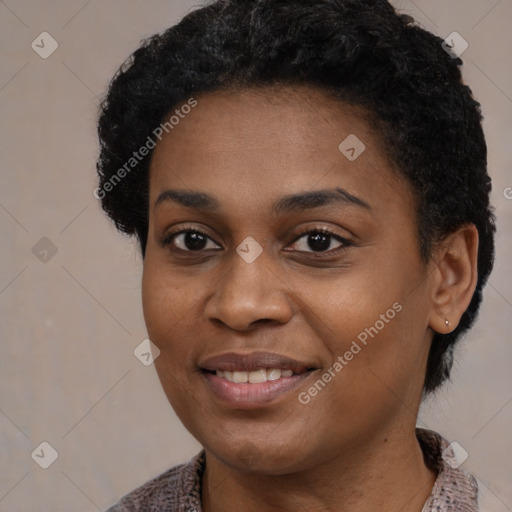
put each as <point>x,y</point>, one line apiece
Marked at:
<point>374,327</point>
<point>154,298</point>
<point>169,315</point>
<point>345,306</point>
<point>167,305</point>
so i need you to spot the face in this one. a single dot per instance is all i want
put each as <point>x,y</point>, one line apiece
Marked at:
<point>282,280</point>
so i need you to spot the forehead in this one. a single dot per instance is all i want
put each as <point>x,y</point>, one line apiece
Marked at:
<point>276,118</point>
<point>274,141</point>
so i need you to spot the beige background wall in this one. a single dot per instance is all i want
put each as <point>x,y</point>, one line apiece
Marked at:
<point>69,325</point>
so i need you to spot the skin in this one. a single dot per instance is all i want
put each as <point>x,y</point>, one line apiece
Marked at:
<point>353,446</point>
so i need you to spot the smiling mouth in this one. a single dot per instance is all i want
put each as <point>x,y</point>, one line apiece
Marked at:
<point>252,380</point>
<point>256,376</point>
<point>240,389</point>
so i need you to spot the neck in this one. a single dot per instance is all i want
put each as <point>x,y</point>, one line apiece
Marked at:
<point>385,475</point>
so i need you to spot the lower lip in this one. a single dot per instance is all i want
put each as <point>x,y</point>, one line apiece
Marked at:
<point>251,396</point>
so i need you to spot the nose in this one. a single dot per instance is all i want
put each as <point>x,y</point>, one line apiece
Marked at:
<point>248,294</point>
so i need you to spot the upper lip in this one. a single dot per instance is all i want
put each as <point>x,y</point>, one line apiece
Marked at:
<point>232,361</point>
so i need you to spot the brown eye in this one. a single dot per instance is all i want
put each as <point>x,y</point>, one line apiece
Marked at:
<point>190,241</point>
<point>319,240</point>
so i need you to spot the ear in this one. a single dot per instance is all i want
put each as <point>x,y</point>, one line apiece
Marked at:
<point>454,278</point>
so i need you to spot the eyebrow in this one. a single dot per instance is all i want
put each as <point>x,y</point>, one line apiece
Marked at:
<point>287,204</point>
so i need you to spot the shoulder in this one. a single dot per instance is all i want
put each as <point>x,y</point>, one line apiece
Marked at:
<point>177,489</point>
<point>454,489</point>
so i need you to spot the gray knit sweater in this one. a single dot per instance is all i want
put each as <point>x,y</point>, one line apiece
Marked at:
<point>179,488</point>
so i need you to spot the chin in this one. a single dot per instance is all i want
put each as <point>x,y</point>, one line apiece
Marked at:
<point>247,456</point>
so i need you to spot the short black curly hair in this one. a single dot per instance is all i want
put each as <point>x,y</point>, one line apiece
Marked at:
<point>365,53</point>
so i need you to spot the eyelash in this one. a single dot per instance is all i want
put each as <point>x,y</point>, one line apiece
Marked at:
<point>167,241</point>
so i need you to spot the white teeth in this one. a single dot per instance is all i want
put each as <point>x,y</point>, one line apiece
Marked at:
<point>257,376</point>
<point>273,374</point>
<point>240,377</point>
<point>254,377</point>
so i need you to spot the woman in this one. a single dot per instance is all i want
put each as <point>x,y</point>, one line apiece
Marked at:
<point>308,184</point>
